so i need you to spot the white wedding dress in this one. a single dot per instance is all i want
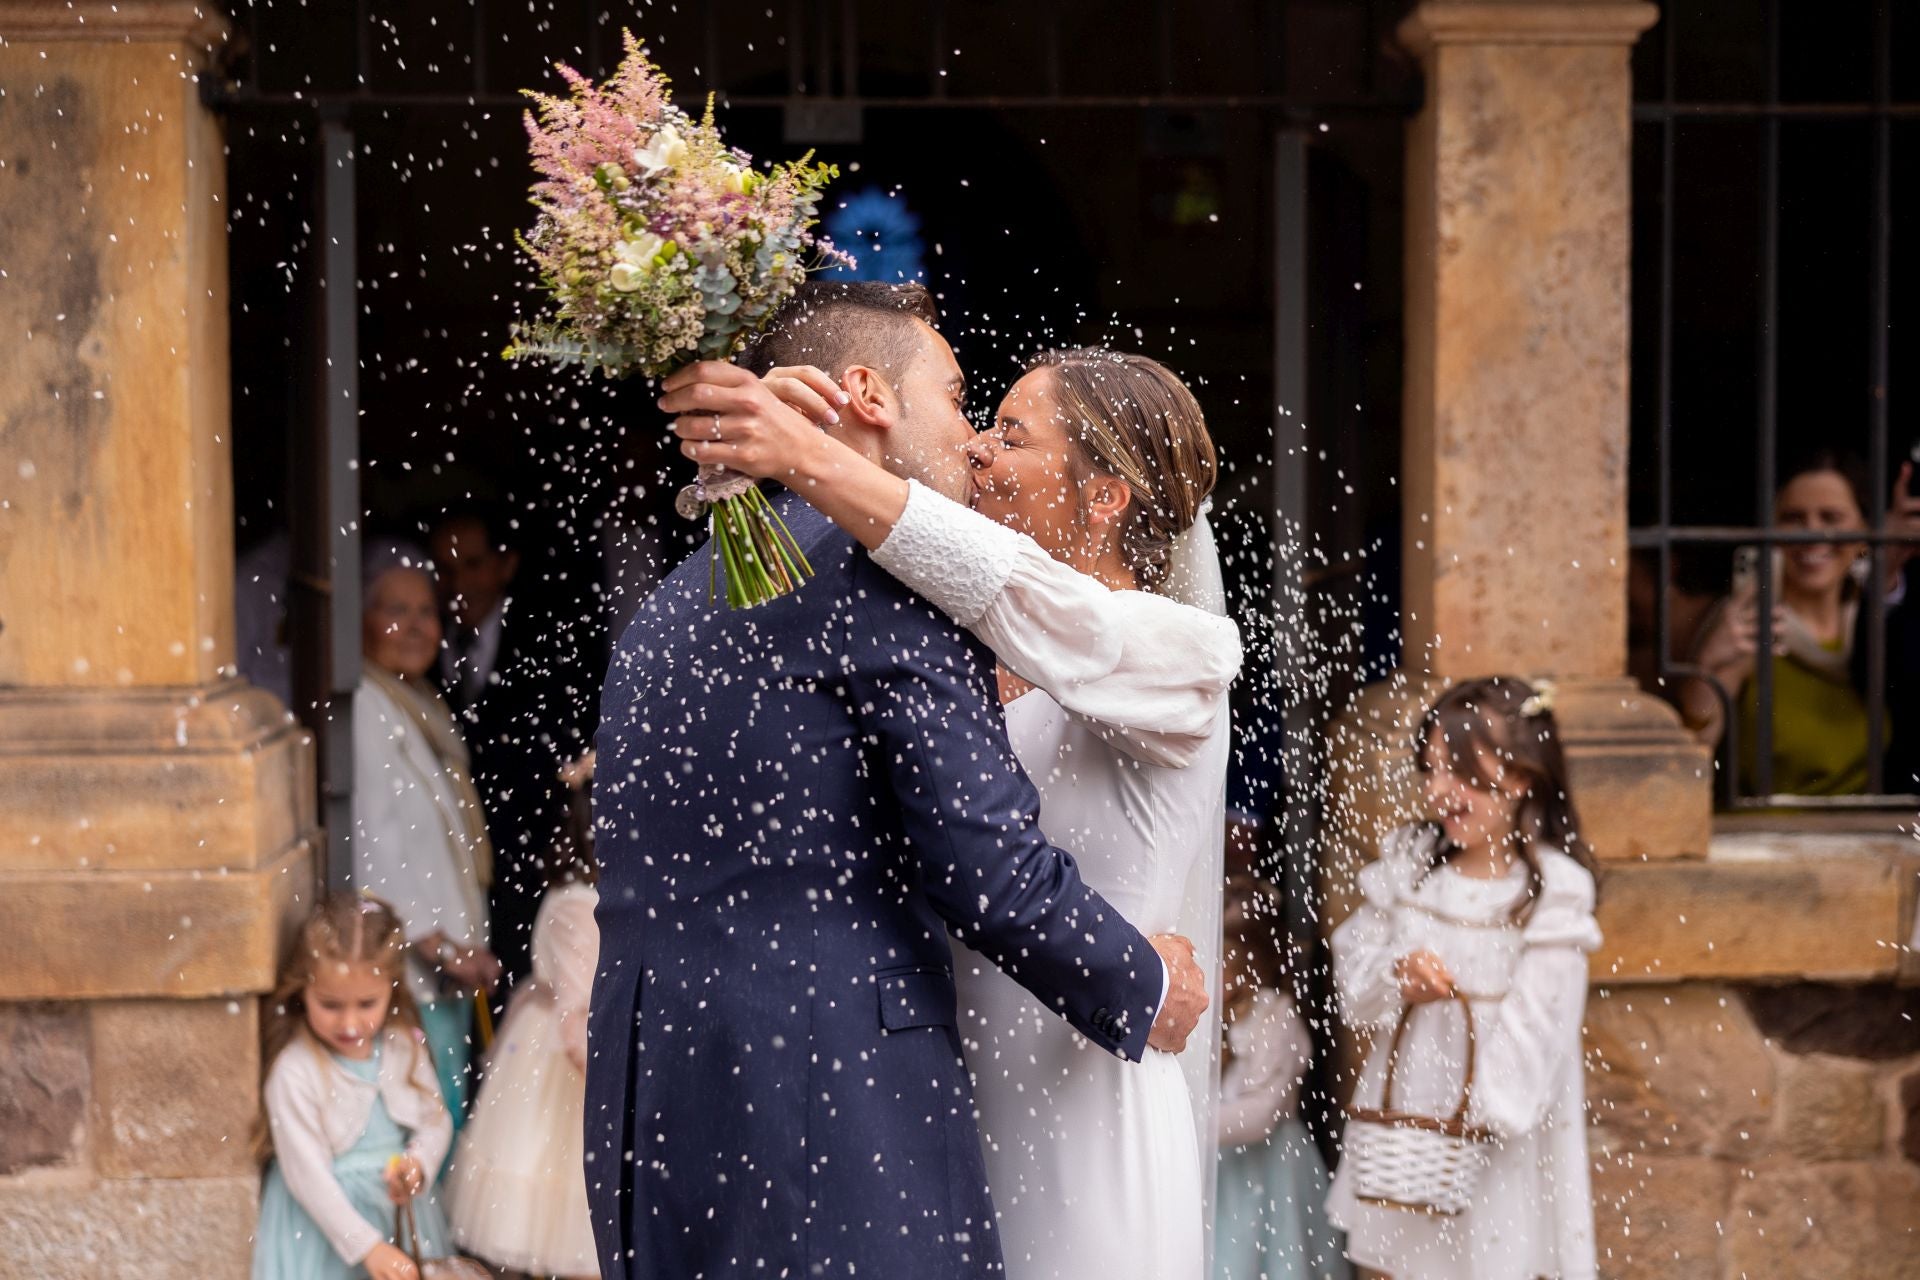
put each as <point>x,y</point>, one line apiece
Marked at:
<point>1099,1168</point>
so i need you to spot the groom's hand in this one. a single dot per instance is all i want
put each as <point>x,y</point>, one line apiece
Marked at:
<point>1186,994</point>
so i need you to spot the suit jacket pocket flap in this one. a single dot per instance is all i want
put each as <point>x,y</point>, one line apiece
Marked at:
<point>918,998</point>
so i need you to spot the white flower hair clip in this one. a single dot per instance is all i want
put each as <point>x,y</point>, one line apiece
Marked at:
<point>1541,703</point>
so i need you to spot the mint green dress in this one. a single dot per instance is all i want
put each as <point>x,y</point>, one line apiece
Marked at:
<point>289,1245</point>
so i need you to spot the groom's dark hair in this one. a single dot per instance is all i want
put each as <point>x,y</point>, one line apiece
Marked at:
<point>837,323</point>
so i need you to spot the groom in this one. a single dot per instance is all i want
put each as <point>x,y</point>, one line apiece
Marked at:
<point>796,805</point>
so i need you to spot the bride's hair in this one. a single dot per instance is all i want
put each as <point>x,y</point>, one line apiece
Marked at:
<point>1132,418</point>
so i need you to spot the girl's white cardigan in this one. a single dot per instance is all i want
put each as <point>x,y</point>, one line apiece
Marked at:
<point>317,1111</point>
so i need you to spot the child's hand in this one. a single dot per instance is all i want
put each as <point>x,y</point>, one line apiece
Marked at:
<point>1423,977</point>
<point>405,1180</point>
<point>387,1263</point>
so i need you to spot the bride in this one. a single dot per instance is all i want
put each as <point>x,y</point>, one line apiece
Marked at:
<point>1087,566</point>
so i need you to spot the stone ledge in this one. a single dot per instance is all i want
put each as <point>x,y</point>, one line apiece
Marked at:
<point>1552,22</point>
<point>156,811</point>
<point>151,779</point>
<point>174,934</point>
<point>1787,915</point>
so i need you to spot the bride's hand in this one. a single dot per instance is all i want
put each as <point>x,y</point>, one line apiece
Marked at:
<point>809,389</point>
<point>1186,994</point>
<point>730,418</point>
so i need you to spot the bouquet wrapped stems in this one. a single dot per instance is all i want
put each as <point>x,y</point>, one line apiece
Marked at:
<point>751,543</point>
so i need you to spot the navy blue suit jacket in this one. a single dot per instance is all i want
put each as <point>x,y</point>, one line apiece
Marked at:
<point>795,804</point>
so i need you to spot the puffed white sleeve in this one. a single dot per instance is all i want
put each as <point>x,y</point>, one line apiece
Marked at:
<point>1149,672</point>
<point>1271,1050</point>
<point>575,954</point>
<point>1365,947</point>
<point>293,1101</point>
<point>1535,1038</point>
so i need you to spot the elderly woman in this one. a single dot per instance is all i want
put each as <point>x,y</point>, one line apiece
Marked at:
<point>419,836</point>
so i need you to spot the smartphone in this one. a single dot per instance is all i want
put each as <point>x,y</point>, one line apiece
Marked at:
<point>1746,571</point>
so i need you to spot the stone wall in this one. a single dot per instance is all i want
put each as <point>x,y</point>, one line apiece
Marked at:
<point>1749,1132</point>
<point>124,1141</point>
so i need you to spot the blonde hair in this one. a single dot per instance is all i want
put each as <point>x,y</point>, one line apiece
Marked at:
<point>346,928</point>
<point>1132,418</point>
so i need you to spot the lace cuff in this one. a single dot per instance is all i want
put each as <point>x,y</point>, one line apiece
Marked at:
<point>957,558</point>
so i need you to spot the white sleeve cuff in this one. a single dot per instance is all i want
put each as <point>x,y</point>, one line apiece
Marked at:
<point>957,558</point>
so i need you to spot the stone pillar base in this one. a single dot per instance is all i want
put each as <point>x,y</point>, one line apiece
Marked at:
<point>158,846</point>
<point>181,820</point>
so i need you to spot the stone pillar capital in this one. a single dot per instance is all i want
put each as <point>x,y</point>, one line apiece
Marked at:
<point>112,22</point>
<point>1544,22</point>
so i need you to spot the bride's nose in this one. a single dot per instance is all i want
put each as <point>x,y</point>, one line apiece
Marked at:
<point>981,450</point>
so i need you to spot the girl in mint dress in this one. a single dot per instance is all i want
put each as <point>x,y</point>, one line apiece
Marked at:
<point>1269,1219</point>
<point>355,1121</point>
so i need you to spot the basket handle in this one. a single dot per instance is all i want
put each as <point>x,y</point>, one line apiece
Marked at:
<point>406,1235</point>
<point>1466,1081</point>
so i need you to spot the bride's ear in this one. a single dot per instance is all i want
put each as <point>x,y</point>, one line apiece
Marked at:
<point>1107,498</point>
<point>871,402</point>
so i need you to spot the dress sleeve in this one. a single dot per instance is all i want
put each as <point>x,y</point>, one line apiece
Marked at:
<point>306,1160</point>
<point>574,955</point>
<point>1148,671</point>
<point>1271,1051</point>
<point>1534,1041</point>
<point>1364,946</point>
<point>970,814</point>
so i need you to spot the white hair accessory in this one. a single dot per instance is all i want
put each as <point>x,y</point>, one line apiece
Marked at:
<point>1541,703</point>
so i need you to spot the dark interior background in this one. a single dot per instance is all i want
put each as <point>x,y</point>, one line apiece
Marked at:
<point>1078,172</point>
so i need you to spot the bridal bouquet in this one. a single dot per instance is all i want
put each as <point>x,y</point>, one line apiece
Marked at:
<point>658,245</point>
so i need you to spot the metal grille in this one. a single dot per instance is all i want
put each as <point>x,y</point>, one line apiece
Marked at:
<point>1663,536</point>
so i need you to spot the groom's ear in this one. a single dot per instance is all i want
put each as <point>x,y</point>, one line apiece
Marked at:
<point>871,401</point>
<point>1107,498</point>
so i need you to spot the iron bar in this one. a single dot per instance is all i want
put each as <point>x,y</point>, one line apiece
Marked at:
<point>1305,110</point>
<point>1880,237</point>
<point>479,49</point>
<point>849,49</point>
<point>823,51</point>
<point>796,52</point>
<point>1729,535</point>
<point>1647,111</point>
<point>1663,448</point>
<point>937,81</point>
<point>1765,478</point>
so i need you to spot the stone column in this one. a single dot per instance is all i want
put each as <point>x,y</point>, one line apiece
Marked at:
<point>1515,458</point>
<point>156,814</point>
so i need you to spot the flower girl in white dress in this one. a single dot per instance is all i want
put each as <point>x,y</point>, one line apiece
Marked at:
<point>517,1192</point>
<point>1495,906</point>
<point>1073,567</point>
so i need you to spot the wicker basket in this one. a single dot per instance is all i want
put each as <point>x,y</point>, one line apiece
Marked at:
<point>1428,1164</point>
<point>407,1233</point>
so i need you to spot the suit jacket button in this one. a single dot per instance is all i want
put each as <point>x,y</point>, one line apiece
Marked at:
<point>1099,1018</point>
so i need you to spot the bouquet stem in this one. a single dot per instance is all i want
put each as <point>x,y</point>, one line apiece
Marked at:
<point>756,550</point>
